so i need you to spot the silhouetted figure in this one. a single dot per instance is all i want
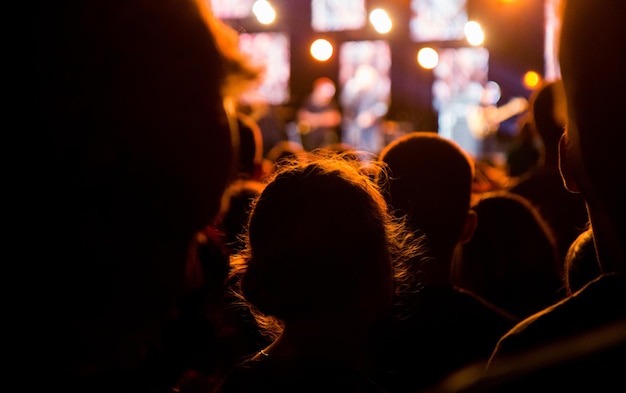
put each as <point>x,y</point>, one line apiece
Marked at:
<point>250,154</point>
<point>138,154</point>
<point>524,154</point>
<point>233,221</point>
<point>512,259</point>
<point>364,101</point>
<point>580,340</point>
<point>278,153</point>
<point>443,326</point>
<point>212,330</point>
<point>319,267</point>
<point>215,331</point>
<point>564,211</point>
<point>591,163</point>
<point>319,116</point>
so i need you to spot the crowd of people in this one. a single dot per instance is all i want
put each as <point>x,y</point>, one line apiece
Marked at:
<point>181,259</point>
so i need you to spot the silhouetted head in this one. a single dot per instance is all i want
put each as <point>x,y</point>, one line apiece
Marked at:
<point>512,258</point>
<point>594,81</point>
<point>234,218</point>
<point>526,153</point>
<point>430,180</point>
<point>250,156</point>
<point>320,242</point>
<point>279,152</point>
<point>548,118</point>
<point>139,151</point>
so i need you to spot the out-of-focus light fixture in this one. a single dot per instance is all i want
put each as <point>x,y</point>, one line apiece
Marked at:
<point>264,12</point>
<point>474,33</point>
<point>531,79</point>
<point>381,21</point>
<point>427,58</point>
<point>321,49</point>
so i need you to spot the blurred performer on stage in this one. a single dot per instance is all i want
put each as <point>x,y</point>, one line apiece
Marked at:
<point>364,101</point>
<point>319,117</point>
<point>467,102</point>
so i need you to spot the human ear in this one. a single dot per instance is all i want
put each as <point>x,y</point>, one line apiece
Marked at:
<point>469,227</point>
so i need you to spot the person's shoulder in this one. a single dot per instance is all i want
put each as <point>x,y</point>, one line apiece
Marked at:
<point>454,309</point>
<point>563,365</point>
<point>606,285</point>
<point>471,301</point>
<point>600,301</point>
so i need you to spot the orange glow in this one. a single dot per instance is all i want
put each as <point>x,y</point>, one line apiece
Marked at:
<point>531,79</point>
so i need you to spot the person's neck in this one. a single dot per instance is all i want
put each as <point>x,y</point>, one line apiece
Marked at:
<point>344,341</point>
<point>437,273</point>
<point>609,244</point>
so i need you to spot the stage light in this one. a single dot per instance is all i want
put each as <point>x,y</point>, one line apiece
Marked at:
<point>321,49</point>
<point>381,21</point>
<point>264,12</point>
<point>531,79</point>
<point>427,58</point>
<point>474,33</point>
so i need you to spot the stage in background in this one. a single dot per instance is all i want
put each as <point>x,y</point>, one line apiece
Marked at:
<point>365,87</point>
<point>337,15</point>
<point>270,50</point>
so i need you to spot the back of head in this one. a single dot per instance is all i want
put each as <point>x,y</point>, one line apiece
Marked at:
<point>525,154</point>
<point>279,152</point>
<point>581,264</point>
<point>318,243</point>
<point>548,118</point>
<point>121,77</point>
<point>234,218</point>
<point>139,154</point>
<point>284,149</point>
<point>512,258</point>
<point>250,147</point>
<point>592,68</point>
<point>430,180</point>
